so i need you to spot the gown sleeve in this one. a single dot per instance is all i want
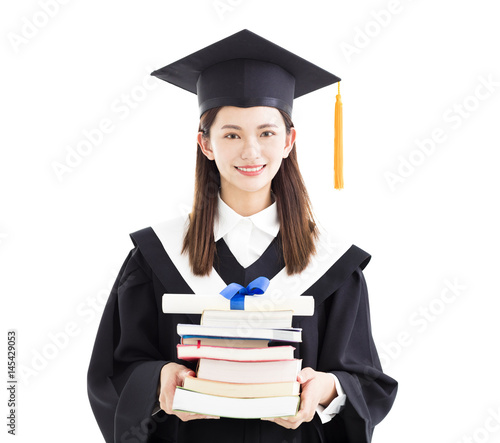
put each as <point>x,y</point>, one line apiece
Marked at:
<point>124,369</point>
<point>348,351</point>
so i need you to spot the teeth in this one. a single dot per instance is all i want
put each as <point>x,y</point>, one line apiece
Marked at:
<point>258,168</point>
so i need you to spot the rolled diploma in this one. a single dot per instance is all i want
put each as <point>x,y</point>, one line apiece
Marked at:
<point>197,303</point>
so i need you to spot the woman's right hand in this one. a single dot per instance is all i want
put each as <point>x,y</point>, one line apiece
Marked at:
<point>172,375</point>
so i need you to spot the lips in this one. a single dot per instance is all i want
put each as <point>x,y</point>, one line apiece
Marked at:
<point>250,170</point>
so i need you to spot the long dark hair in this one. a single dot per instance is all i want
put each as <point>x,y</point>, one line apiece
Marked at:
<point>297,227</point>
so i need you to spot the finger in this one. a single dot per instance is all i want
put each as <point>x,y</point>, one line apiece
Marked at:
<point>304,414</point>
<point>200,416</point>
<point>184,374</point>
<point>287,423</point>
<point>187,416</point>
<point>305,375</point>
<point>309,398</point>
<point>290,420</point>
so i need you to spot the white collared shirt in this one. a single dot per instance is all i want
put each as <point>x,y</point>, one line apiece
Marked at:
<point>247,238</point>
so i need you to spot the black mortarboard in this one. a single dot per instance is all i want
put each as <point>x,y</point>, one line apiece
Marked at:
<point>245,70</point>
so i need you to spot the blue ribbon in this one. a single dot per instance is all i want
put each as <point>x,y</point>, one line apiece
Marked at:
<point>235,293</point>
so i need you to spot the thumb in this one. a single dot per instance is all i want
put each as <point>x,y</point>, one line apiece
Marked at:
<point>305,375</point>
<point>187,372</point>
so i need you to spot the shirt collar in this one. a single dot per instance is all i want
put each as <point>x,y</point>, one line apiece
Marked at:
<point>227,219</point>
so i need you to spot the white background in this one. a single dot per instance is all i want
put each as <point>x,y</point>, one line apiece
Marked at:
<point>63,238</point>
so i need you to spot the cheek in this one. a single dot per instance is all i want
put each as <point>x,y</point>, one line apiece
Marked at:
<point>274,164</point>
<point>276,152</point>
<point>222,157</point>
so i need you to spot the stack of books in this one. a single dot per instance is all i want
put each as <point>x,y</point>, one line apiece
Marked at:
<point>243,371</point>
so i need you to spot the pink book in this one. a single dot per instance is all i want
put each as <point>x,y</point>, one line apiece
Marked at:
<point>249,372</point>
<point>194,352</point>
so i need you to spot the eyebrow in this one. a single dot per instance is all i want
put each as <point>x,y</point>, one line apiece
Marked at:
<point>265,125</point>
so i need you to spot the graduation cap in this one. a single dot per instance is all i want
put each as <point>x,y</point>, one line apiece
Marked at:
<point>247,70</point>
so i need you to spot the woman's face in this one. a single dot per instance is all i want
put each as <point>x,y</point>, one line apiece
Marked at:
<point>248,146</point>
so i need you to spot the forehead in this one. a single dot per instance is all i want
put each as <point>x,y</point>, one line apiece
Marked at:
<point>244,117</point>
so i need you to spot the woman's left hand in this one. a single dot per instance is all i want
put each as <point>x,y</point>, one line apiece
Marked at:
<point>316,388</point>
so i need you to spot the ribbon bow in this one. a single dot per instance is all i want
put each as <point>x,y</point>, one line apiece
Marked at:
<point>235,293</point>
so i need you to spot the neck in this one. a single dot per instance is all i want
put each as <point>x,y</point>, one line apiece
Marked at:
<point>247,203</point>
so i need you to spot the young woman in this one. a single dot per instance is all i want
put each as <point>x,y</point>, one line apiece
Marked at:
<point>251,217</point>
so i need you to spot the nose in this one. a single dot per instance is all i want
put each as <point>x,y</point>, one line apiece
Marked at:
<point>251,149</point>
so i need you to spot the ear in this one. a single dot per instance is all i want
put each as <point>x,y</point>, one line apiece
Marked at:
<point>290,140</point>
<point>204,144</point>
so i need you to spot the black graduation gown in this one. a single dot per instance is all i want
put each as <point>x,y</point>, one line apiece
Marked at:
<point>135,339</point>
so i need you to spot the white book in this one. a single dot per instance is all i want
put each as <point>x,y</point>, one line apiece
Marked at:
<point>191,401</point>
<point>226,342</point>
<point>285,334</point>
<point>241,390</point>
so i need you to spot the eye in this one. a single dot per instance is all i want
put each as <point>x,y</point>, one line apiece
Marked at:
<point>267,134</point>
<point>231,136</point>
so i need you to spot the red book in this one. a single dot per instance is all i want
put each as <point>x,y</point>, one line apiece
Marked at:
<point>194,352</point>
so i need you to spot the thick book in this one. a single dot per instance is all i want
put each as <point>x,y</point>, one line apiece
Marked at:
<point>253,319</point>
<point>227,342</point>
<point>191,401</point>
<point>249,372</point>
<point>197,303</point>
<point>241,390</point>
<point>285,334</point>
<point>193,352</point>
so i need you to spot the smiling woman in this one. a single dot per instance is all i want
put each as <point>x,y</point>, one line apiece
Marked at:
<point>251,218</point>
<point>247,147</point>
<point>231,139</point>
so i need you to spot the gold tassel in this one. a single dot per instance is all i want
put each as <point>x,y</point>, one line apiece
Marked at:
<point>338,151</point>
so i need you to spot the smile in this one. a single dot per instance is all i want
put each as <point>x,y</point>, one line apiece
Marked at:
<point>254,169</point>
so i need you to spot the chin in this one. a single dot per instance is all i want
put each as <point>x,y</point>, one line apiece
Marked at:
<point>252,188</point>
